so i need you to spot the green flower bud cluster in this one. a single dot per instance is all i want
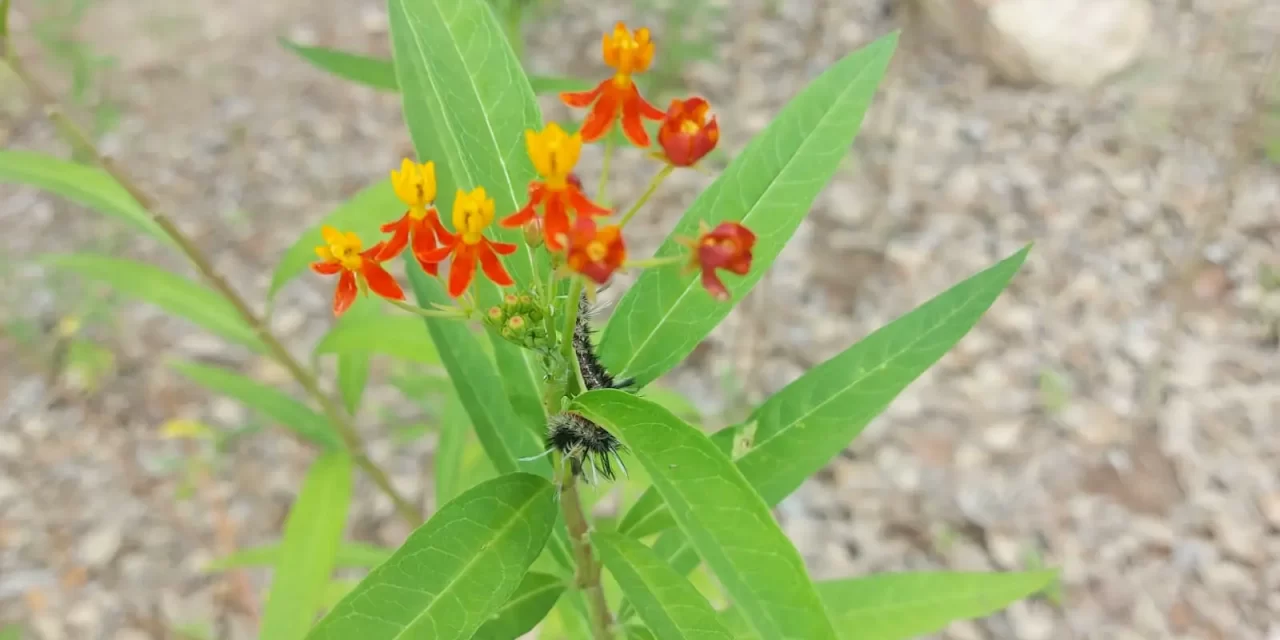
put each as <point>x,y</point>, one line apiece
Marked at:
<point>519,319</point>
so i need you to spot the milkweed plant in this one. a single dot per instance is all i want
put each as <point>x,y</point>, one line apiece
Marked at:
<point>482,256</point>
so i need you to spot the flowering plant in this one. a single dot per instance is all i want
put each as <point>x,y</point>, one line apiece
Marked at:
<point>502,249</point>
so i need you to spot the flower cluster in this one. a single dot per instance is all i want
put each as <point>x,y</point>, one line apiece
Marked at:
<point>559,214</point>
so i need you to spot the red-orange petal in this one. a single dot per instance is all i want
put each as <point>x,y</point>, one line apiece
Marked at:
<point>601,117</point>
<point>632,125</point>
<point>579,99</point>
<point>436,255</point>
<point>326,268</point>
<point>345,294</point>
<point>424,242</point>
<point>555,223</point>
<point>462,270</point>
<point>503,248</point>
<point>381,282</point>
<point>492,265</point>
<point>711,282</point>
<point>580,203</point>
<point>519,218</point>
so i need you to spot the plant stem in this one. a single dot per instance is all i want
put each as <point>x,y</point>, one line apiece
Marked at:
<point>346,430</point>
<point>602,190</point>
<point>427,313</point>
<point>653,187</point>
<point>574,378</point>
<point>587,576</point>
<point>649,263</point>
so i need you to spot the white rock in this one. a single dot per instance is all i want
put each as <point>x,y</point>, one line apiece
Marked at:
<point>100,546</point>
<point>1003,437</point>
<point>1075,43</point>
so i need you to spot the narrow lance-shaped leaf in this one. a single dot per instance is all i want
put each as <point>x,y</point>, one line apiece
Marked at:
<point>806,424</point>
<point>272,403</point>
<point>373,72</point>
<point>379,73</point>
<point>350,554</point>
<point>173,293</point>
<point>308,553</point>
<point>453,572</point>
<point>353,366</point>
<point>448,55</point>
<point>669,605</point>
<point>769,188</point>
<point>398,335</point>
<point>91,187</point>
<point>535,596</point>
<point>724,519</point>
<point>900,606</point>
<point>450,448</point>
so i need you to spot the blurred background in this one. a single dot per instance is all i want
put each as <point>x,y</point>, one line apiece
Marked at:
<point>1116,414</point>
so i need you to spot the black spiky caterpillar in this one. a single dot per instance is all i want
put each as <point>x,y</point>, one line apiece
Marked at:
<point>581,441</point>
<point>594,374</point>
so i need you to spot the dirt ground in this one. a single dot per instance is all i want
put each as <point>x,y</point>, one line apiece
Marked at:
<point>1115,414</point>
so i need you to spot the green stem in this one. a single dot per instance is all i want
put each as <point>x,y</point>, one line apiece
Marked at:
<point>566,339</point>
<point>601,191</point>
<point>456,314</point>
<point>649,263</point>
<point>587,574</point>
<point>653,187</point>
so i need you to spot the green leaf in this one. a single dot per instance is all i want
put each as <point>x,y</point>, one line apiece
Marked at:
<point>353,367</point>
<point>379,73</point>
<point>274,404</point>
<point>308,553</point>
<point>350,554</point>
<point>467,103</point>
<point>172,293</point>
<point>802,427</point>
<point>898,606</point>
<point>669,605</point>
<point>551,85</point>
<point>649,514</point>
<point>372,72</point>
<point>364,213</point>
<point>335,591</point>
<point>769,188</point>
<point>531,602</point>
<point>399,335</point>
<point>84,185</point>
<point>455,571</point>
<point>725,520</point>
<point>806,424</point>
<point>476,382</point>
<point>672,401</point>
<point>450,448</point>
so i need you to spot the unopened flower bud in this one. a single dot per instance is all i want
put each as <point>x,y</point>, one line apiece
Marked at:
<point>516,323</point>
<point>533,233</point>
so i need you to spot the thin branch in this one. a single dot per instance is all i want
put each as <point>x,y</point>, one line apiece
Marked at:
<point>346,430</point>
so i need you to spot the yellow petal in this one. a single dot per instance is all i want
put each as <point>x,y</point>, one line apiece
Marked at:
<point>352,240</point>
<point>330,235</point>
<point>324,253</point>
<point>428,172</point>
<point>538,151</point>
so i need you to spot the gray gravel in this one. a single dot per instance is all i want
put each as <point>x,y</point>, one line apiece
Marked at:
<point>1113,415</point>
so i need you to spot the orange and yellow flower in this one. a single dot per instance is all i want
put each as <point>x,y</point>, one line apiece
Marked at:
<point>554,154</point>
<point>628,53</point>
<point>419,227</point>
<point>595,253</point>
<point>685,134</point>
<point>472,213</point>
<point>341,253</point>
<point>728,246</point>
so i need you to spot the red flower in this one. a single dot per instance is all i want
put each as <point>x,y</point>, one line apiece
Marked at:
<point>341,254</point>
<point>686,135</point>
<point>420,225</point>
<point>595,253</point>
<point>554,154</point>
<point>728,246</point>
<point>629,54</point>
<point>472,212</point>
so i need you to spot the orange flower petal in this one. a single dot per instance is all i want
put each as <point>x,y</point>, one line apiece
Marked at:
<point>345,294</point>
<point>711,282</point>
<point>601,116</point>
<point>580,99</point>
<point>424,243</point>
<point>579,202</point>
<point>503,248</point>
<point>462,270</point>
<point>493,266</point>
<point>436,255</point>
<point>381,282</point>
<point>326,268</point>
<point>555,223</point>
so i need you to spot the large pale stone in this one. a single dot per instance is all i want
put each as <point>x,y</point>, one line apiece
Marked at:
<point>1073,43</point>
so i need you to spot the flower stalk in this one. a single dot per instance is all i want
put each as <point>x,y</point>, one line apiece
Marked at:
<point>648,193</point>
<point>52,108</point>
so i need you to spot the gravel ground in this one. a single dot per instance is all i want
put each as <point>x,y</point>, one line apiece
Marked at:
<point>1113,415</point>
